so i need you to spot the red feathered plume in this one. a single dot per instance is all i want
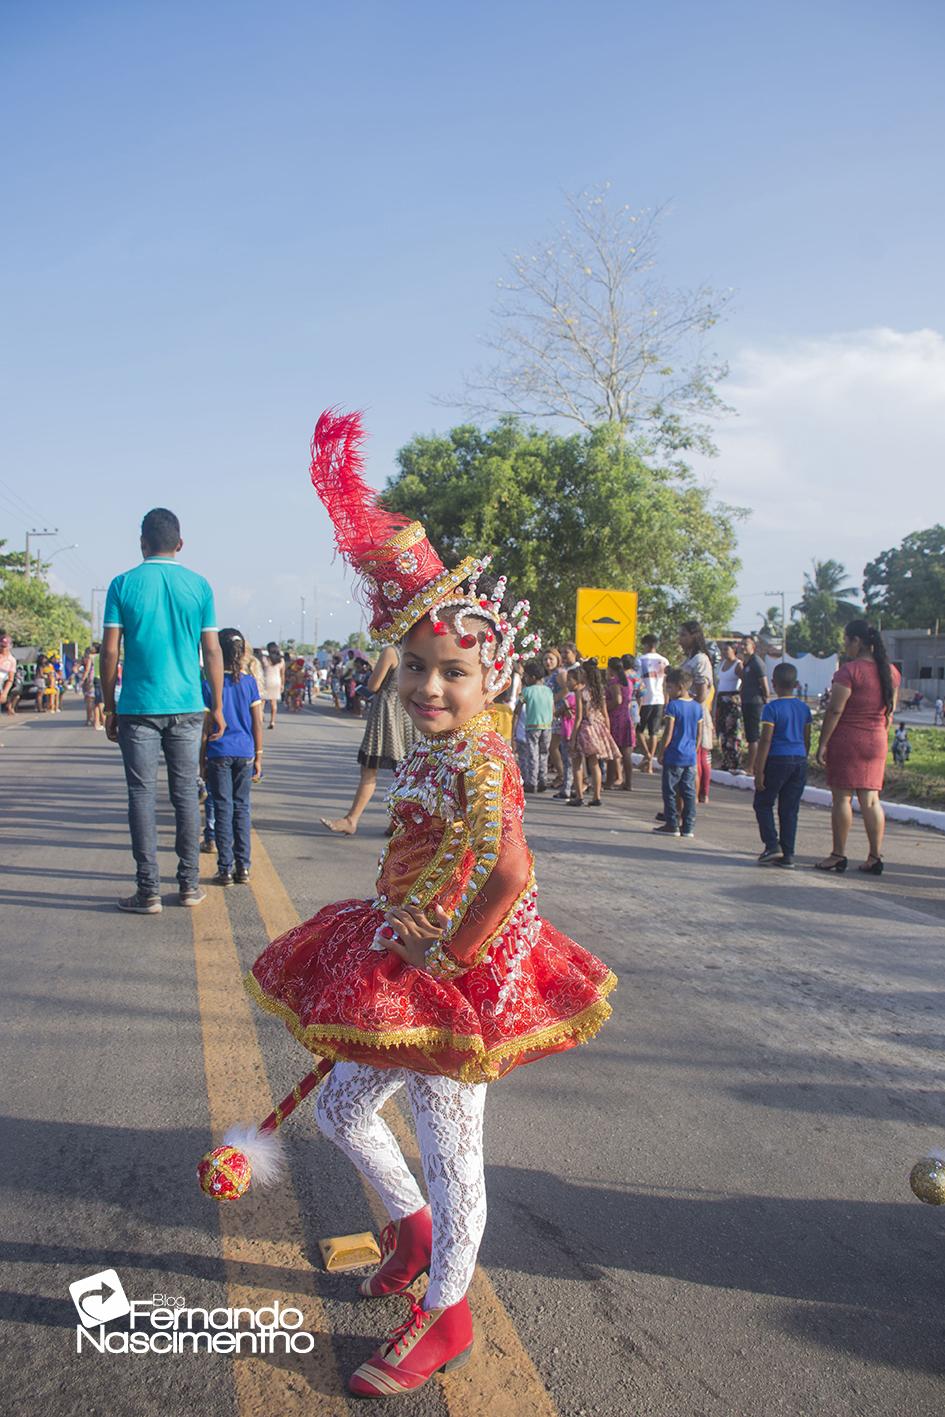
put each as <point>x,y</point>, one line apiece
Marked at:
<point>361,526</point>
<point>395,568</point>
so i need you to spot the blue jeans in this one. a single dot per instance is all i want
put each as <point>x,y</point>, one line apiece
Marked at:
<point>784,785</point>
<point>142,739</point>
<point>536,746</point>
<point>228,782</point>
<point>682,780</point>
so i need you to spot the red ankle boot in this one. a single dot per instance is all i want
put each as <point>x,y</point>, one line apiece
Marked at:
<point>405,1255</point>
<point>425,1344</point>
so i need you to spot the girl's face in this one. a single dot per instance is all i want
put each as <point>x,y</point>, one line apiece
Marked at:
<point>685,640</point>
<point>550,660</point>
<point>441,684</point>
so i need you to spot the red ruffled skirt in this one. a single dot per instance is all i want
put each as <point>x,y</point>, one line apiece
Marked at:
<point>538,993</point>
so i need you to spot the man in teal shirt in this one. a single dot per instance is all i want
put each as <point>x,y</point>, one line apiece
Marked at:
<point>165,614</point>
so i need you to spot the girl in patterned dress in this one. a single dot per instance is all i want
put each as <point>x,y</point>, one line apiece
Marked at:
<point>591,740</point>
<point>448,978</point>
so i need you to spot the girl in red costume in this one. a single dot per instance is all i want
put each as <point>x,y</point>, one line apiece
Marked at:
<point>449,978</point>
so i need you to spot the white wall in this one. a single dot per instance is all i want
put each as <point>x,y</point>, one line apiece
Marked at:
<point>815,673</point>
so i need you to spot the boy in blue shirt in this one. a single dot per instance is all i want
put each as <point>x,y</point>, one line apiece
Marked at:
<point>781,768</point>
<point>682,721</point>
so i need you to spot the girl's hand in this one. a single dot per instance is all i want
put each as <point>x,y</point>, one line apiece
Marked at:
<point>414,932</point>
<point>821,754</point>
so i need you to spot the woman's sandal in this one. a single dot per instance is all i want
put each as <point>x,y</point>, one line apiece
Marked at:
<point>873,867</point>
<point>833,862</point>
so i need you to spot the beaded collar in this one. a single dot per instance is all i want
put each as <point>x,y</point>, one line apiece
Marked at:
<point>428,774</point>
<point>455,744</point>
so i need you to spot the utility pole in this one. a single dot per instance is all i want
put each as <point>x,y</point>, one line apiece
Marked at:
<point>29,535</point>
<point>302,634</point>
<point>95,591</point>
<point>782,594</point>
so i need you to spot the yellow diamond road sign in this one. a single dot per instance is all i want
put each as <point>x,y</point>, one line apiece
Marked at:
<point>606,622</point>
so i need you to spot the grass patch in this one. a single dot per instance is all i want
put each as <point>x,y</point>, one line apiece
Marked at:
<point>921,781</point>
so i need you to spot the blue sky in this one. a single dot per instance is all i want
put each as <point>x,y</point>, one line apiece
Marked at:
<point>220,218</point>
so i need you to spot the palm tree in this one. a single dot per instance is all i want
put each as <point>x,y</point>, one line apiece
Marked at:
<point>827,581</point>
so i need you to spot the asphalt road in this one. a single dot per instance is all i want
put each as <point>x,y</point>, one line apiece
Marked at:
<point>705,1211</point>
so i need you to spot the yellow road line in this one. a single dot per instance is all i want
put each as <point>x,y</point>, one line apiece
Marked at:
<point>502,1377</point>
<point>263,1240</point>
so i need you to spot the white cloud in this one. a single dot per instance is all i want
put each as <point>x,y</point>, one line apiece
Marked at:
<point>839,450</point>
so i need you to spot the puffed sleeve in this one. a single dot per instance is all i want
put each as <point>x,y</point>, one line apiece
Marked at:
<point>496,868</point>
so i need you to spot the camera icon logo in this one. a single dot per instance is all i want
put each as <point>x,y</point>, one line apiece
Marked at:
<point>99,1298</point>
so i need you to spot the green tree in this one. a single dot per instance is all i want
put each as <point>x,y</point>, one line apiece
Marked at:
<point>905,586</point>
<point>358,640</point>
<point>823,609</point>
<point>561,512</point>
<point>32,613</point>
<point>329,646</point>
<point>771,626</point>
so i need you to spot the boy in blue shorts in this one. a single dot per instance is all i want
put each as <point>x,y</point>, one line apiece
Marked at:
<point>781,768</point>
<point>682,720</point>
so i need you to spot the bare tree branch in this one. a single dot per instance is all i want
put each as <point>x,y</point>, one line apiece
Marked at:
<point>585,331</point>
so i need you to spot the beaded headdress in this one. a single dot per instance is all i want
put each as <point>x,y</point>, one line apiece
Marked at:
<point>402,577</point>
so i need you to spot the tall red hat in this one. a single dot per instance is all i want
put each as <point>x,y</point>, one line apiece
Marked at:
<point>402,576</point>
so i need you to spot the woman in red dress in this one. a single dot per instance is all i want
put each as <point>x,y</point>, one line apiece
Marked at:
<point>854,742</point>
<point>448,978</point>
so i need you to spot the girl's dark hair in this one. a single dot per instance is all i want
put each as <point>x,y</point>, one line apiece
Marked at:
<point>233,647</point>
<point>595,684</point>
<point>577,670</point>
<point>867,634</point>
<point>533,671</point>
<point>694,628</point>
<point>615,665</point>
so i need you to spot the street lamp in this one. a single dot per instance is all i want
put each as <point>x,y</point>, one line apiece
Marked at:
<point>54,554</point>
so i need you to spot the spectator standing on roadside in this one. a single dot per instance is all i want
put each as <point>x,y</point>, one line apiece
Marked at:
<point>755,693</point>
<point>273,667</point>
<point>86,672</point>
<point>901,746</point>
<point>781,768</point>
<point>728,705</point>
<point>165,614</point>
<point>939,710</point>
<point>678,754</point>
<point>231,763</point>
<point>697,661</point>
<point>537,707</point>
<point>8,671</point>
<point>653,667</point>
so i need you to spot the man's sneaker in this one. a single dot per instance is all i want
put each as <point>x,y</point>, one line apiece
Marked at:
<point>770,853</point>
<point>666,830</point>
<point>241,875</point>
<point>787,862</point>
<point>208,846</point>
<point>222,878</point>
<point>690,835</point>
<point>192,895</point>
<point>139,904</point>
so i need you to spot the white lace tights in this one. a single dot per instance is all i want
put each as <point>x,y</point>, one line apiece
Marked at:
<point>448,1119</point>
